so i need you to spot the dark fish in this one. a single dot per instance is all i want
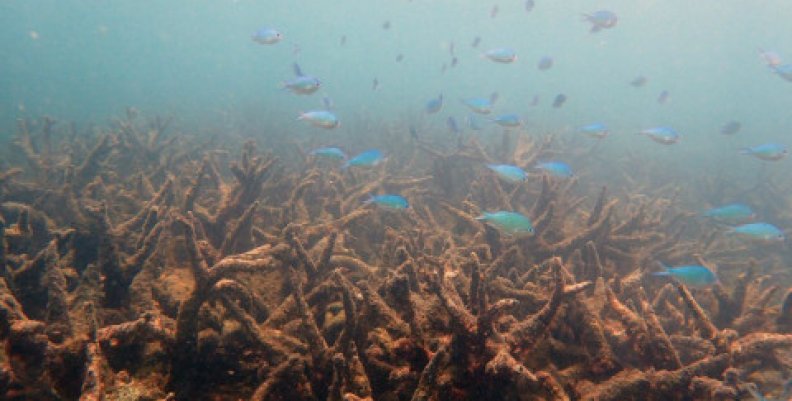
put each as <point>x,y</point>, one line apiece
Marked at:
<point>399,57</point>
<point>731,128</point>
<point>639,81</point>
<point>454,61</point>
<point>375,84</point>
<point>452,125</point>
<point>545,63</point>
<point>413,132</point>
<point>535,100</point>
<point>386,25</point>
<point>663,97</point>
<point>494,11</point>
<point>343,40</point>
<point>559,100</point>
<point>476,41</point>
<point>529,5</point>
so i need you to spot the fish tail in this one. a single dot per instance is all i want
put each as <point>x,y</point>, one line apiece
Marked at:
<point>745,151</point>
<point>665,273</point>
<point>482,217</point>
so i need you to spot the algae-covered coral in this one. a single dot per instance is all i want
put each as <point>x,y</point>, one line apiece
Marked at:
<point>143,264</point>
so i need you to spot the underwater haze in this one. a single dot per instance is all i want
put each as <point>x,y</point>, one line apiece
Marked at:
<point>84,60</point>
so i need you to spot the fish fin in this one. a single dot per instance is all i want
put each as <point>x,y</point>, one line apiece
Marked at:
<point>482,217</point>
<point>297,70</point>
<point>370,200</point>
<point>327,103</point>
<point>301,116</point>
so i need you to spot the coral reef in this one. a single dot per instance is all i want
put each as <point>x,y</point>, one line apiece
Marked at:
<point>139,263</point>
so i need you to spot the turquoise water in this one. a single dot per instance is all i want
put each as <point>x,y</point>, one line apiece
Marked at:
<point>89,60</point>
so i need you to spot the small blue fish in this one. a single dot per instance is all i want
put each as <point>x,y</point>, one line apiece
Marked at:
<point>559,100</point>
<point>302,84</point>
<point>662,98</point>
<point>267,36</point>
<point>731,128</point>
<point>734,213</point>
<point>784,71</point>
<point>557,169</point>
<point>639,81</point>
<point>481,105</point>
<point>452,125</point>
<point>602,19</point>
<point>692,276</point>
<point>511,223</point>
<point>595,130</point>
<point>508,172</point>
<point>413,132</point>
<point>544,63</point>
<point>434,105</point>
<point>507,120</point>
<point>767,151</point>
<point>329,153</point>
<point>389,201</point>
<point>529,5</point>
<point>662,135</point>
<point>758,231</point>
<point>320,118</point>
<point>503,55</point>
<point>368,158</point>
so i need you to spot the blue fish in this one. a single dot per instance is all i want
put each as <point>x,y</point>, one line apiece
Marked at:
<point>320,118</point>
<point>662,135</point>
<point>503,55</point>
<point>507,120</point>
<point>511,223</point>
<point>758,231</point>
<point>734,213</point>
<point>595,130</point>
<point>602,19</point>
<point>508,172</point>
<point>329,153</point>
<point>481,105</point>
<point>389,201</point>
<point>767,151</point>
<point>557,169</point>
<point>692,276</point>
<point>452,125</point>
<point>434,105</point>
<point>529,5</point>
<point>302,84</point>
<point>544,63</point>
<point>784,71</point>
<point>368,158</point>
<point>267,36</point>
<point>731,128</point>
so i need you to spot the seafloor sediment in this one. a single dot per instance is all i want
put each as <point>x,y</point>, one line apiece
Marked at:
<point>142,264</point>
